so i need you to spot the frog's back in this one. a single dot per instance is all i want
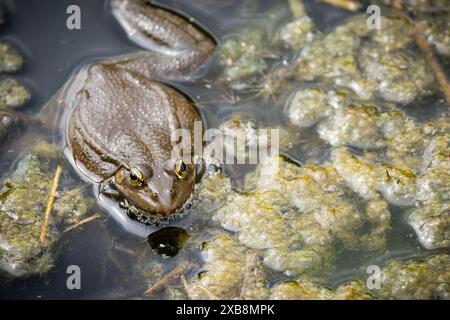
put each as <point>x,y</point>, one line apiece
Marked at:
<point>122,117</point>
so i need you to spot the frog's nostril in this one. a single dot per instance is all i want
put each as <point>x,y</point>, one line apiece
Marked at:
<point>153,193</point>
<point>171,193</point>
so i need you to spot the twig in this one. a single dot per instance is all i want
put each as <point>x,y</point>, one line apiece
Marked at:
<point>105,263</point>
<point>124,249</point>
<point>186,287</point>
<point>211,295</point>
<point>168,278</point>
<point>397,4</point>
<point>116,262</point>
<point>80,223</point>
<point>51,200</point>
<point>249,264</point>
<point>297,8</point>
<point>270,55</point>
<point>105,258</point>
<point>349,5</point>
<point>434,64</point>
<point>104,269</point>
<point>142,256</point>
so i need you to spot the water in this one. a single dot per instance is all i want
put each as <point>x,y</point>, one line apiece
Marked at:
<point>53,53</point>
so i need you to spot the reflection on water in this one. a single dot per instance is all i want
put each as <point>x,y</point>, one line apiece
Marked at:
<point>168,241</point>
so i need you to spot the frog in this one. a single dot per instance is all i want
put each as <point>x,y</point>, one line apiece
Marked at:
<point>119,114</point>
<point>176,48</point>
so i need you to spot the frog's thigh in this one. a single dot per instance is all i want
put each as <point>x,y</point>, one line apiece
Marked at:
<point>141,63</point>
<point>89,162</point>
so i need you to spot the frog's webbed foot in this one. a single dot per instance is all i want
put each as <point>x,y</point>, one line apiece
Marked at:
<point>20,118</point>
<point>178,47</point>
<point>7,123</point>
<point>11,121</point>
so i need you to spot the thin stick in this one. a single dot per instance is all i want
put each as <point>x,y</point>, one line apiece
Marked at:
<point>249,263</point>
<point>104,267</point>
<point>51,200</point>
<point>124,249</point>
<point>80,223</point>
<point>185,286</point>
<point>211,295</point>
<point>116,262</point>
<point>397,4</point>
<point>297,8</point>
<point>143,255</point>
<point>434,64</point>
<point>344,4</point>
<point>168,278</point>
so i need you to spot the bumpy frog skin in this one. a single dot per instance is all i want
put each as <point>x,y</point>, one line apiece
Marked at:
<point>178,48</point>
<point>120,121</point>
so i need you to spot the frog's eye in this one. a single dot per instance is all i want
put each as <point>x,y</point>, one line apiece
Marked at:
<point>181,169</point>
<point>135,178</point>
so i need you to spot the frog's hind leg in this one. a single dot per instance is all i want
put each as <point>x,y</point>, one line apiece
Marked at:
<point>159,67</point>
<point>176,46</point>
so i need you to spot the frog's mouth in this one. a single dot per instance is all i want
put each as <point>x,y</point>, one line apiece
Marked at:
<point>109,190</point>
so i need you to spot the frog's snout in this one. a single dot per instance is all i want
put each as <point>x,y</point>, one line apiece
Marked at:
<point>166,200</point>
<point>167,196</point>
<point>155,196</point>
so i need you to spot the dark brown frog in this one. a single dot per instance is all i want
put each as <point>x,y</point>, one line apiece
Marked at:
<point>120,120</point>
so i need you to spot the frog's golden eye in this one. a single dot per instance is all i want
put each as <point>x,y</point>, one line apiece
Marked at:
<point>181,169</point>
<point>135,178</point>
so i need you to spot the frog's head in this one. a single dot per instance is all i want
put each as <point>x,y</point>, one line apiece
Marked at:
<point>156,190</point>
